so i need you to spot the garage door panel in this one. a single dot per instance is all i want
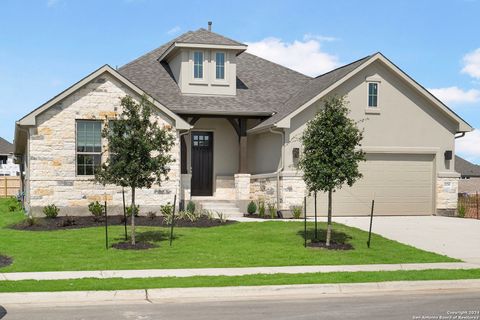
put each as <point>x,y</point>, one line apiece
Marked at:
<point>402,184</point>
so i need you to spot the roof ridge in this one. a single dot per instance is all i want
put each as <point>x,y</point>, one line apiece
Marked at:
<point>168,43</point>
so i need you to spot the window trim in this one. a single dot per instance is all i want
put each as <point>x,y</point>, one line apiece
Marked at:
<point>377,94</point>
<point>86,153</point>
<point>203,78</point>
<point>224,79</point>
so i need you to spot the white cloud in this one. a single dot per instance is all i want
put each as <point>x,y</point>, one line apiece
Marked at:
<point>303,56</point>
<point>52,3</point>
<point>174,30</point>
<point>456,95</point>
<point>472,64</point>
<point>468,146</point>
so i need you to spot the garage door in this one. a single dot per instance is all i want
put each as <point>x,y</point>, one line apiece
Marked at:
<point>402,184</point>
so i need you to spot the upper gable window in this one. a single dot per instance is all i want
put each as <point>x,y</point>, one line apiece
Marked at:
<point>372,94</point>
<point>220,65</point>
<point>198,65</point>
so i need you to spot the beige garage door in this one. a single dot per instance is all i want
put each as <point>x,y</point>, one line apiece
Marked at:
<point>402,184</point>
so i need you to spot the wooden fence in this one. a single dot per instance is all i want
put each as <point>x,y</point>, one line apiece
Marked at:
<point>9,186</point>
<point>469,204</point>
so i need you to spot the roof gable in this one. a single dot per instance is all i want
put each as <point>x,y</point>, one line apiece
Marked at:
<point>5,146</point>
<point>466,168</point>
<point>30,119</point>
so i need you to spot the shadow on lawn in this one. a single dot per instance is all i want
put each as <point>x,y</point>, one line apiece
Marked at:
<point>150,236</point>
<point>337,237</point>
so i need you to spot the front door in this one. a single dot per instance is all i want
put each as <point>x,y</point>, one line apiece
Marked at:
<point>202,163</point>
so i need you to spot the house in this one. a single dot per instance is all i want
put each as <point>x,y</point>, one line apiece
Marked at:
<point>7,164</point>
<point>238,119</point>
<point>469,176</point>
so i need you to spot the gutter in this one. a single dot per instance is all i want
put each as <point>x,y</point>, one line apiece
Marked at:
<point>462,134</point>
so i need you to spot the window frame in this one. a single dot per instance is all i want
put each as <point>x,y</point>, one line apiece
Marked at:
<point>77,153</point>
<point>194,65</point>
<point>377,95</point>
<point>224,66</point>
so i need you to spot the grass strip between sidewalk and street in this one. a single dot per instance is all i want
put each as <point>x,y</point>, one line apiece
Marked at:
<point>223,281</point>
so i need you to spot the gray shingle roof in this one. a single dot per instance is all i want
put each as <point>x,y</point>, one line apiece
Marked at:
<point>262,86</point>
<point>466,168</point>
<point>203,36</point>
<point>310,90</point>
<point>5,146</point>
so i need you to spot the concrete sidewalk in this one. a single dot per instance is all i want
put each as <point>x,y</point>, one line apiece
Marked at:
<point>183,295</point>
<point>149,273</point>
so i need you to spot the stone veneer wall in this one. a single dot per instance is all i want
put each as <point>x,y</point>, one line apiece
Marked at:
<point>52,155</point>
<point>263,187</point>
<point>447,195</point>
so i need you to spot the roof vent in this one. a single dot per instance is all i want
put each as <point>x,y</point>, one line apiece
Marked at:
<point>209,25</point>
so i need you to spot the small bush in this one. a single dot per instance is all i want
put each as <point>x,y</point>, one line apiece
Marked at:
<point>136,210</point>
<point>151,215</point>
<point>12,207</point>
<point>208,214</point>
<point>297,211</point>
<point>222,217</point>
<point>252,208</point>
<point>191,206</point>
<point>272,210</point>
<point>261,209</point>
<point>51,211</point>
<point>96,209</point>
<point>167,213</point>
<point>462,210</point>
<point>31,221</point>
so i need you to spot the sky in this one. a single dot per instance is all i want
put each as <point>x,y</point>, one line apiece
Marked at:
<point>48,45</point>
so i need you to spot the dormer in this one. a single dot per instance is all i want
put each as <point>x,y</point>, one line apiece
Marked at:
<point>204,63</point>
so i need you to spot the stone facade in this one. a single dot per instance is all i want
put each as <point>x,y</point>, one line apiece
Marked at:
<point>52,154</point>
<point>447,195</point>
<point>264,188</point>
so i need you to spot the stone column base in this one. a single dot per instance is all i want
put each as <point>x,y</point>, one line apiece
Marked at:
<point>242,190</point>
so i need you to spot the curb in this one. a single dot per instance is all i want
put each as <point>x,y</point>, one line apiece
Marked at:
<point>233,293</point>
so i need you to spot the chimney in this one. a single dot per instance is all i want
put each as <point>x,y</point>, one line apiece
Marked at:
<point>209,25</point>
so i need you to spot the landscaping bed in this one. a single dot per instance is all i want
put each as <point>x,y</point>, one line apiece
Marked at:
<point>78,222</point>
<point>5,261</point>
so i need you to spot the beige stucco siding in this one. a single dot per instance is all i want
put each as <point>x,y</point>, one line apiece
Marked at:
<point>264,152</point>
<point>405,119</point>
<point>52,152</point>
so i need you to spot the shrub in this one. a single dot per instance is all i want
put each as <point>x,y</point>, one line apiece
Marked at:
<point>272,210</point>
<point>167,213</point>
<point>462,210</point>
<point>12,207</point>
<point>191,216</point>
<point>51,211</point>
<point>30,221</point>
<point>96,209</point>
<point>191,206</point>
<point>222,217</point>
<point>297,211</point>
<point>151,215</point>
<point>252,208</point>
<point>136,210</point>
<point>261,209</point>
<point>208,214</point>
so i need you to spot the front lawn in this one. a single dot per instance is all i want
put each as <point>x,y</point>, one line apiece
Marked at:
<point>236,245</point>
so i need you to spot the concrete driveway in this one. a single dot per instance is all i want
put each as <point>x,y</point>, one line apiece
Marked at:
<point>454,237</point>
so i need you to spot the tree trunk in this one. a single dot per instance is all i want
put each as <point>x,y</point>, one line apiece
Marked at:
<point>133,210</point>
<point>329,223</point>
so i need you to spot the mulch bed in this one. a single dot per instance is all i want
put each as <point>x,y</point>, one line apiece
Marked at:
<point>78,222</point>
<point>5,261</point>
<point>265,217</point>
<point>137,246</point>
<point>333,246</point>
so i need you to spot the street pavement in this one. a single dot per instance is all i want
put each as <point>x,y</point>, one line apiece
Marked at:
<point>406,305</point>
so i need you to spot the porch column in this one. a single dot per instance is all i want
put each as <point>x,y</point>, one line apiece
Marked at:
<point>243,160</point>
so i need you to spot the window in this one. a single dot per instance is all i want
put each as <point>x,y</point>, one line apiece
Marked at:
<point>198,65</point>
<point>372,94</point>
<point>3,159</point>
<point>220,65</point>
<point>89,147</point>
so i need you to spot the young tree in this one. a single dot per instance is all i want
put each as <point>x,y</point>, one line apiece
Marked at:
<point>330,156</point>
<point>139,150</point>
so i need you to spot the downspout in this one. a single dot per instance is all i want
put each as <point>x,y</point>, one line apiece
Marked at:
<point>462,134</point>
<point>282,163</point>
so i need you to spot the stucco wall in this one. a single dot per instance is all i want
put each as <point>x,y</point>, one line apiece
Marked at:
<point>264,152</point>
<point>52,161</point>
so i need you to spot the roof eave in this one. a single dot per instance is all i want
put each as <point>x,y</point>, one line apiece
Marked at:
<point>176,45</point>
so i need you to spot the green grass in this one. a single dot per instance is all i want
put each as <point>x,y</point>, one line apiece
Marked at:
<point>222,281</point>
<point>237,245</point>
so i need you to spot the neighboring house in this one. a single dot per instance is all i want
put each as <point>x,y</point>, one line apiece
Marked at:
<point>7,164</point>
<point>469,176</point>
<point>238,120</point>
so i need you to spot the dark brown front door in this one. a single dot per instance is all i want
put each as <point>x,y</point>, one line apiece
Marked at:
<point>202,163</point>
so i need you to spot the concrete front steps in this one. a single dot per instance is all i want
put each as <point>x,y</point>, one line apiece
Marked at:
<point>226,207</point>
